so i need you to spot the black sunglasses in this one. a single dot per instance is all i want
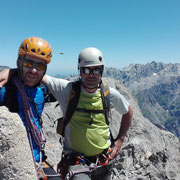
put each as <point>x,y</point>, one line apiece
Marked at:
<point>94,71</point>
<point>31,64</point>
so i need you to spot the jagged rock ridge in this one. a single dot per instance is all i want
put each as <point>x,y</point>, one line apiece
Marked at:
<point>156,87</point>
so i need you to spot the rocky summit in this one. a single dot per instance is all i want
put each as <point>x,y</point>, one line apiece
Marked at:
<point>148,152</point>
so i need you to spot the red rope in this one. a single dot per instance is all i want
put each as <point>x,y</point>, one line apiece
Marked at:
<point>38,136</point>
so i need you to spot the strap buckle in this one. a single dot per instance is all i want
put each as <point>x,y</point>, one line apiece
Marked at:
<point>103,159</point>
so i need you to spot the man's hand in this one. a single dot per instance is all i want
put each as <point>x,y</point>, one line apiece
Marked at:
<point>125,124</point>
<point>116,148</point>
<point>4,77</point>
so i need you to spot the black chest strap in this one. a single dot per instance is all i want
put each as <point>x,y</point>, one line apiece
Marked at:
<point>72,104</point>
<point>74,99</point>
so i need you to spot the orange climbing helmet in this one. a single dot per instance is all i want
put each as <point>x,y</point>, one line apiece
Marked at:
<point>37,47</point>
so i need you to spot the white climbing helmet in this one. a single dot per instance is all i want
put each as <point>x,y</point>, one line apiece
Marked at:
<point>90,56</point>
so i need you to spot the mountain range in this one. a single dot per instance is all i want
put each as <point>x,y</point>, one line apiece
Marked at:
<point>156,86</point>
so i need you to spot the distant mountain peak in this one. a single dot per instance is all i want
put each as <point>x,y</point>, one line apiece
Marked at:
<point>156,86</point>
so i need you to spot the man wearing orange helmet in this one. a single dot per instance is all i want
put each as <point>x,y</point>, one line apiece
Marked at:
<point>22,93</point>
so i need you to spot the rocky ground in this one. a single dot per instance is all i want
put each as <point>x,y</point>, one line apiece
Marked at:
<point>148,153</point>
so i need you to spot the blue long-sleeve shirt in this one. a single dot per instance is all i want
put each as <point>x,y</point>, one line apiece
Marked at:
<point>37,96</point>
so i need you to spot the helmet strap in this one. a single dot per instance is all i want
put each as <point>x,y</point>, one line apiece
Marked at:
<point>20,67</point>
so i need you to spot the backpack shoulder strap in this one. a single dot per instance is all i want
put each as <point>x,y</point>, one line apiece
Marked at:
<point>74,98</point>
<point>106,105</point>
<point>11,100</point>
<point>72,104</point>
<point>104,88</point>
<point>48,97</point>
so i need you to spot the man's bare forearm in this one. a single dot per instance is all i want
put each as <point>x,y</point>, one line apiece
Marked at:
<point>5,74</point>
<point>125,124</point>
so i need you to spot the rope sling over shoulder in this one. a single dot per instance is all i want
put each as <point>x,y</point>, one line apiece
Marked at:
<point>32,131</point>
<point>32,128</point>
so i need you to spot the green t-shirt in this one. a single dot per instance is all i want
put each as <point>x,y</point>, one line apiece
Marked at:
<point>89,133</point>
<point>89,139</point>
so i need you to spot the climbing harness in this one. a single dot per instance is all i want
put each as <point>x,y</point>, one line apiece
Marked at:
<point>91,163</point>
<point>88,170</point>
<point>41,171</point>
<point>105,158</point>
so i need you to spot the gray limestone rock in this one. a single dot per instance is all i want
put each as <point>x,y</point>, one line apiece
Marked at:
<point>53,146</point>
<point>148,152</point>
<point>15,155</point>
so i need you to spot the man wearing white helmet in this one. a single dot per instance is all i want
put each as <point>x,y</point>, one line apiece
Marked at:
<point>91,58</point>
<point>86,134</point>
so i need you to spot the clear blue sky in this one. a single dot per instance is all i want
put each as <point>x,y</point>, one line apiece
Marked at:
<point>126,31</point>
